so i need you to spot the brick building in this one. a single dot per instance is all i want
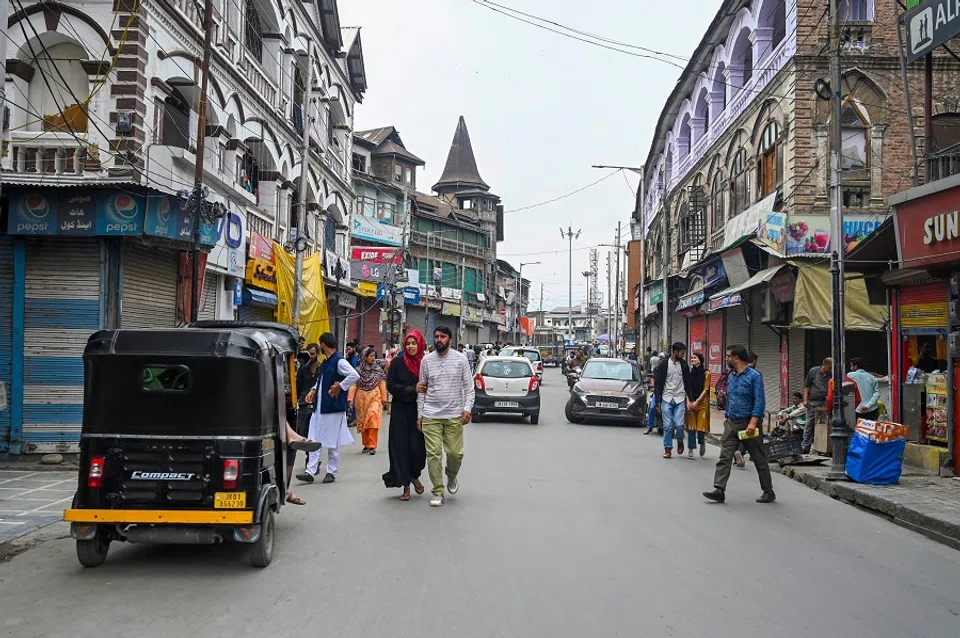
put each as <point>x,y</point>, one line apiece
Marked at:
<point>739,174</point>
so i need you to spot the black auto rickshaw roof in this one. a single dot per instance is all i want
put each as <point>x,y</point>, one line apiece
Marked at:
<point>240,339</point>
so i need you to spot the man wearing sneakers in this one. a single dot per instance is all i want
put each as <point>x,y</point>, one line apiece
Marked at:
<point>745,409</point>
<point>445,399</point>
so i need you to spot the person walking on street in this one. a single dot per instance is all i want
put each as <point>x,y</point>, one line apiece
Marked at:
<point>745,409</point>
<point>672,384</point>
<point>815,388</point>
<point>738,459</point>
<point>306,380</point>
<point>328,426</point>
<point>408,452</point>
<point>698,416</point>
<point>368,397</point>
<point>471,358</point>
<point>444,405</point>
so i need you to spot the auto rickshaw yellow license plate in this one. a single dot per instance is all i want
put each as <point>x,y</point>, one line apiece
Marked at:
<point>229,500</point>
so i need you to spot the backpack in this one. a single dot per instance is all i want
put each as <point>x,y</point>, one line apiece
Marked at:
<point>721,389</point>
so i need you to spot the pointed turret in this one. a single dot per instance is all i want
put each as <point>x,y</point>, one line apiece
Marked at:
<point>460,171</point>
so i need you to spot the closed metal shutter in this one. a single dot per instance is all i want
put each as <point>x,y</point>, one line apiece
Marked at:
<point>798,360</point>
<point>736,329</point>
<point>61,311</point>
<point>208,296</point>
<point>924,305</point>
<point>678,328</point>
<point>371,326</point>
<point>149,286</point>
<point>765,343</point>
<point>717,357</point>
<point>697,327</point>
<point>6,336</point>
<point>254,313</point>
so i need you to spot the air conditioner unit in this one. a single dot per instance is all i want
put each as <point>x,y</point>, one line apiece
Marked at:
<point>770,309</point>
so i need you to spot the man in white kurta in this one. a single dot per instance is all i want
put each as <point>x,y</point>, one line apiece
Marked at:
<point>330,428</point>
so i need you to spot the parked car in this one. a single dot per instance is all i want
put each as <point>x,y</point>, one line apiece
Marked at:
<point>608,388</point>
<point>532,354</point>
<point>507,384</point>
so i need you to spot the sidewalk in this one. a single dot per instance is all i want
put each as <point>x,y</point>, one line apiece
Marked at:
<point>922,501</point>
<point>32,500</point>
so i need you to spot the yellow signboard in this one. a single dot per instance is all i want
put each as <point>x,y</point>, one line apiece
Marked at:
<point>261,274</point>
<point>367,288</point>
<point>924,315</point>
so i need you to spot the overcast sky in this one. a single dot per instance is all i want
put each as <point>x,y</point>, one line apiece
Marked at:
<point>540,108</point>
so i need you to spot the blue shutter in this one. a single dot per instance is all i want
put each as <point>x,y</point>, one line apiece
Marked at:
<point>6,336</point>
<point>61,311</point>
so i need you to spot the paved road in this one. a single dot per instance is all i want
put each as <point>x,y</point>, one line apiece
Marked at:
<point>558,530</point>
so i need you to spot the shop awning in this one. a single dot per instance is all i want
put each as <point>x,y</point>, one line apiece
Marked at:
<point>875,252</point>
<point>733,297</point>
<point>259,298</point>
<point>747,224</point>
<point>691,299</point>
<point>813,304</point>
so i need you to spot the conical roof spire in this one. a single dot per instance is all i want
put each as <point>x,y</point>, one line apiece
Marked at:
<point>461,167</point>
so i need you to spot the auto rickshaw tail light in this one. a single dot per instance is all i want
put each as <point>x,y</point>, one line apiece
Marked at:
<point>231,472</point>
<point>95,474</point>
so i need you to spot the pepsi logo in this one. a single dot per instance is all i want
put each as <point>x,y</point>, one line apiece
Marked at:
<point>163,210</point>
<point>35,206</point>
<point>123,206</point>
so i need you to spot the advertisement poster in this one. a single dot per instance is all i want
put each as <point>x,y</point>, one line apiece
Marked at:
<point>772,232</point>
<point>75,212</point>
<point>377,255</point>
<point>937,407</point>
<point>810,234</point>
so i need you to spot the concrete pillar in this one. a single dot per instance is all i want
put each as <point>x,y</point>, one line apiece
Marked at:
<point>762,40</point>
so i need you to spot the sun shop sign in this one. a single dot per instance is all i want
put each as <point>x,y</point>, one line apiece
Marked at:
<point>928,229</point>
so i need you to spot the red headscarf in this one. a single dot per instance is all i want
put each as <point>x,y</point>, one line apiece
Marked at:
<point>413,363</point>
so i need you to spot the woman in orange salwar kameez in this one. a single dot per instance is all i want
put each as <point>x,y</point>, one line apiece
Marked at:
<point>369,396</point>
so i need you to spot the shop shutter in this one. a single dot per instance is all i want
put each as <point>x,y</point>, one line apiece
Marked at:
<point>678,328</point>
<point>208,296</point>
<point>61,311</point>
<point>6,336</point>
<point>735,328</point>
<point>765,343</point>
<point>254,313</point>
<point>924,305</point>
<point>371,326</point>
<point>149,286</point>
<point>798,360</point>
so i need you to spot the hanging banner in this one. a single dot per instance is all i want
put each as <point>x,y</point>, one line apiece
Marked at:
<point>373,230</point>
<point>261,263</point>
<point>772,232</point>
<point>335,266</point>
<point>810,234</point>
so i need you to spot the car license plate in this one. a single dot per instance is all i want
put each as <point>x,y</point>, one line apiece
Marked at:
<point>506,404</point>
<point>603,404</point>
<point>229,500</point>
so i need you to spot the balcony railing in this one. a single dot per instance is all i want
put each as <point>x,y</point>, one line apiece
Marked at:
<point>444,243</point>
<point>944,163</point>
<point>336,164</point>
<point>191,10</point>
<point>263,85</point>
<point>49,153</point>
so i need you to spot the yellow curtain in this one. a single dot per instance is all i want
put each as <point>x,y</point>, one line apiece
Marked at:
<point>813,303</point>
<point>314,317</point>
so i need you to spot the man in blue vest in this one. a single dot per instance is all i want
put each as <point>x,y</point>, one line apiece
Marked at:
<point>328,425</point>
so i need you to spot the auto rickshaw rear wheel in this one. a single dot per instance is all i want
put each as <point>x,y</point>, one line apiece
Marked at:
<point>92,553</point>
<point>261,552</point>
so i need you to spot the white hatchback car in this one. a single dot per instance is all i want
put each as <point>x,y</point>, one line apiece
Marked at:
<point>507,384</point>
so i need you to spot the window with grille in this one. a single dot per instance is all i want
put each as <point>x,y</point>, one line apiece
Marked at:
<point>739,198</point>
<point>252,38</point>
<point>718,219</point>
<point>692,219</point>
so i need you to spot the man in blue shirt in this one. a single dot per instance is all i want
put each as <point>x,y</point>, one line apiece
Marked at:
<point>745,408</point>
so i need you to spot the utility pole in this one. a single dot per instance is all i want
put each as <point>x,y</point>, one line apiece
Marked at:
<point>838,428</point>
<point>616,296</point>
<point>665,228</point>
<point>541,301</point>
<point>302,193</point>
<point>609,298</point>
<point>570,235</point>
<point>426,290</point>
<point>198,198</point>
<point>463,283</point>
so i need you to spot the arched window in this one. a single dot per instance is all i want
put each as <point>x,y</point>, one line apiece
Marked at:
<point>739,197</point>
<point>770,162</point>
<point>55,96</point>
<point>252,38</point>
<point>716,201</point>
<point>747,64</point>
<point>693,217</point>
<point>854,157</point>
<point>299,96</point>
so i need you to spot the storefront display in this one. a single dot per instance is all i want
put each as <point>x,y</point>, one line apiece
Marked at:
<point>936,429</point>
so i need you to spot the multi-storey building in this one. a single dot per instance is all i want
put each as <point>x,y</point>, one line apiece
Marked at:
<point>453,247</point>
<point>99,144</point>
<point>736,206</point>
<point>385,180</point>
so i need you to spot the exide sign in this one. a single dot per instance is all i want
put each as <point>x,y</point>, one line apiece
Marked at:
<point>377,255</point>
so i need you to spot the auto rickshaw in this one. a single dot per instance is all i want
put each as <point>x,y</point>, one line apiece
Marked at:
<point>184,437</point>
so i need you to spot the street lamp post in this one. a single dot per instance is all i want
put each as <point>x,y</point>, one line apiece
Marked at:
<point>516,301</point>
<point>570,235</point>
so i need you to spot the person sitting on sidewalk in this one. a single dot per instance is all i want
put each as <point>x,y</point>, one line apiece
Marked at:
<point>792,411</point>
